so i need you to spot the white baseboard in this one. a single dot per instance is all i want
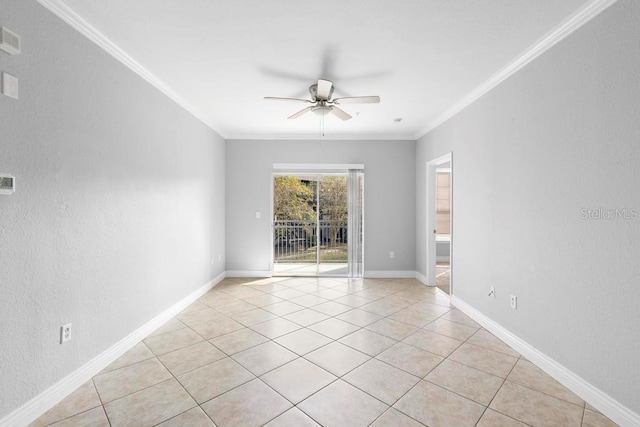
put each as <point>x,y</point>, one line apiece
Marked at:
<point>423,279</point>
<point>390,274</point>
<point>610,407</point>
<point>46,400</point>
<point>376,274</point>
<point>249,273</point>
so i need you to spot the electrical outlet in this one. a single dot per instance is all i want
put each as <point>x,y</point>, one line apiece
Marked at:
<point>65,333</point>
<point>257,215</point>
<point>492,292</point>
<point>219,257</point>
<point>392,254</point>
<point>514,302</point>
<point>213,261</point>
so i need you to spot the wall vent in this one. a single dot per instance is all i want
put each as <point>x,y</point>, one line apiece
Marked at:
<point>9,41</point>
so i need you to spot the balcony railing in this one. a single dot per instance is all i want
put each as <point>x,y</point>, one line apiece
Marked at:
<point>297,241</point>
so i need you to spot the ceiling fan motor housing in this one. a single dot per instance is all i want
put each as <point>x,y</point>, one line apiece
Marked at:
<point>313,90</point>
<point>323,103</point>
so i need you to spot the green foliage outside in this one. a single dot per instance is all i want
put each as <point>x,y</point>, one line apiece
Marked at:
<point>332,254</point>
<point>293,199</point>
<point>333,202</point>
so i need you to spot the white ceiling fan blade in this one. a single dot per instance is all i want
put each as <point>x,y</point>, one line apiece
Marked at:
<point>324,89</point>
<point>357,100</point>
<point>300,113</point>
<point>279,98</point>
<point>341,114</point>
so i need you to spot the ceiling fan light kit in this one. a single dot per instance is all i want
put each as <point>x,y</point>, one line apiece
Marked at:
<point>323,104</point>
<point>322,110</point>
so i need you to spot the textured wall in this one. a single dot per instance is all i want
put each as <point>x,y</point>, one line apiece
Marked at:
<point>389,181</point>
<point>118,210</point>
<point>564,132</point>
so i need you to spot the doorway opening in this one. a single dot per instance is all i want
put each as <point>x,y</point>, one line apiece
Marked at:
<point>439,222</point>
<point>317,224</point>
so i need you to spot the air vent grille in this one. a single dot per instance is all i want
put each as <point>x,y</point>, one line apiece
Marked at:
<point>9,41</point>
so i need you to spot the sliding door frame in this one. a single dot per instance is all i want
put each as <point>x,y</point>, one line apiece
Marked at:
<point>312,170</point>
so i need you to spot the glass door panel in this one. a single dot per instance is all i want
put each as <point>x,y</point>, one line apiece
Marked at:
<point>333,221</point>
<point>313,217</point>
<point>295,226</point>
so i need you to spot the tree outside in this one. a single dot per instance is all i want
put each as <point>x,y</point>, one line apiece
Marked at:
<point>293,199</point>
<point>295,216</point>
<point>333,203</point>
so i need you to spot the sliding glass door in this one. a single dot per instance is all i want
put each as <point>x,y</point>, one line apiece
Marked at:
<point>313,225</point>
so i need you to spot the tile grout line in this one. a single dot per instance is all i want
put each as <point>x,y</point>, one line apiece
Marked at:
<point>419,299</point>
<point>504,380</point>
<point>156,356</point>
<point>424,379</point>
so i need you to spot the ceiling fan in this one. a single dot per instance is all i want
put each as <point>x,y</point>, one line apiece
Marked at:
<point>323,104</point>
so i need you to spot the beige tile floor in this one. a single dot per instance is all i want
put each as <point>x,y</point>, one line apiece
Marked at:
<point>443,277</point>
<point>331,352</point>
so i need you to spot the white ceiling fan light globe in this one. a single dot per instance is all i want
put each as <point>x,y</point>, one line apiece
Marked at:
<point>322,110</point>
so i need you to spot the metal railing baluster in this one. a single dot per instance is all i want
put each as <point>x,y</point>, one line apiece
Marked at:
<point>296,241</point>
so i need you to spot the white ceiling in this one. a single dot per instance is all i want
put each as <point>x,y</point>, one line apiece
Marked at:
<point>219,58</point>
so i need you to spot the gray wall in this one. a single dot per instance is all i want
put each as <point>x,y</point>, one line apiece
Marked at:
<point>118,210</point>
<point>389,197</point>
<point>565,133</point>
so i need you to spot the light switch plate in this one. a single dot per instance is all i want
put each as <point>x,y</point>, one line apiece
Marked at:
<point>9,85</point>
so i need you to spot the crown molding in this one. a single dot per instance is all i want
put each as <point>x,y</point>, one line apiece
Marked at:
<point>318,138</point>
<point>571,24</point>
<point>568,26</point>
<point>68,15</point>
